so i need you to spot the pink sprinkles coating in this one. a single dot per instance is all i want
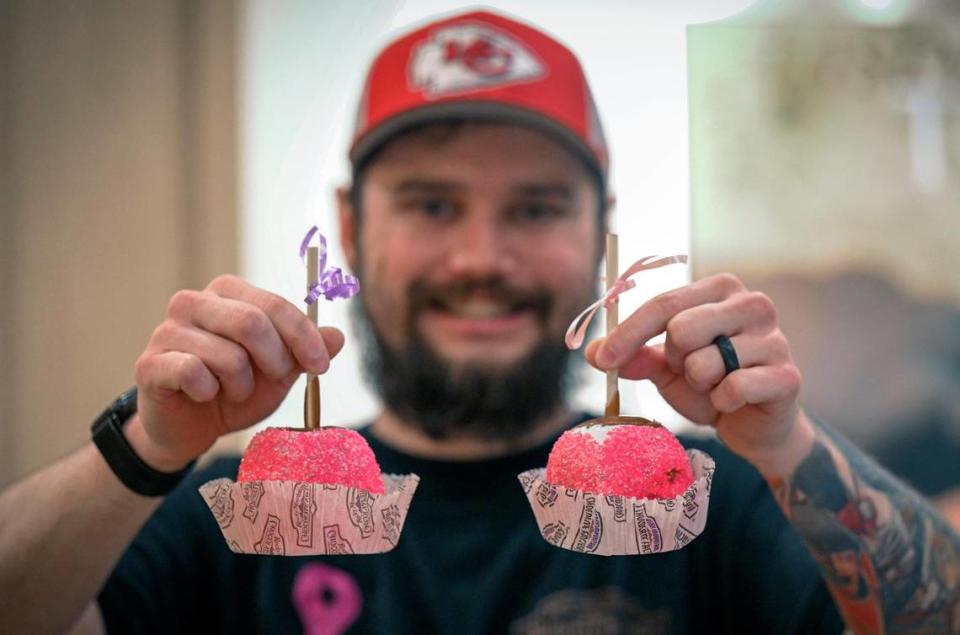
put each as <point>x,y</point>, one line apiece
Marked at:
<point>335,456</point>
<point>633,460</point>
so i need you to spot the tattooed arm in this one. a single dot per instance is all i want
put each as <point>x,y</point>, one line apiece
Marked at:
<point>890,561</point>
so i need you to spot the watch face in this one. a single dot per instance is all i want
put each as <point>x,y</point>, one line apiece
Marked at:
<point>120,411</point>
<point>126,404</point>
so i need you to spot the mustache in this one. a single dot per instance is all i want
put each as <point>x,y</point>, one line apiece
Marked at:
<point>423,295</point>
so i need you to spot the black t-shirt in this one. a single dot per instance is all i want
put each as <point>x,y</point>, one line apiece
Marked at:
<point>471,560</point>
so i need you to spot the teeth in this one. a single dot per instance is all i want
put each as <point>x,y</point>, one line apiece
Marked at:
<point>478,309</point>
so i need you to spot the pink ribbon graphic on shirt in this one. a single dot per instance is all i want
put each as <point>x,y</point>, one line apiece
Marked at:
<point>332,282</point>
<point>578,328</point>
<point>327,599</point>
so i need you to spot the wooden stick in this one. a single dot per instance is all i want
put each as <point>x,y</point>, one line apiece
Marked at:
<point>311,398</point>
<point>311,408</point>
<point>612,265</point>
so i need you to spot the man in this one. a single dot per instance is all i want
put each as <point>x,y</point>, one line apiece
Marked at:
<point>474,221</point>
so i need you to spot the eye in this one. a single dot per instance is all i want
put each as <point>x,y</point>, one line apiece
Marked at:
<point>431,207</point>
<point>537,212</point>
<point>438,208</point>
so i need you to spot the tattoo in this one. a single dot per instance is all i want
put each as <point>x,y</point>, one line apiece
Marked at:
<point>890,561</point>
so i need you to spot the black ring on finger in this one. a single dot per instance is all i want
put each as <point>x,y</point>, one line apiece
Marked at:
<point>728,353</point>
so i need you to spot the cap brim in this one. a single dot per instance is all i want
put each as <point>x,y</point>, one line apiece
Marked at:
<point>482,111</point>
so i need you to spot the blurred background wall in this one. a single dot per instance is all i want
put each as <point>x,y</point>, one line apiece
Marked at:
<point>118,187</point>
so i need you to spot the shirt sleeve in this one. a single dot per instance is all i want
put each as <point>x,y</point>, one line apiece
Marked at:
<point>170,570</point>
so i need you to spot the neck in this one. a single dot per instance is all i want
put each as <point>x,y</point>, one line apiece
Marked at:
<point>408,438</point>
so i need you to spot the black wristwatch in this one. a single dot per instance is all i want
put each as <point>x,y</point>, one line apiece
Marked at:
<point>130,469</point>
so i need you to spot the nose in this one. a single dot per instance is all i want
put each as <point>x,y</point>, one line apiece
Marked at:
<point>481,248</point>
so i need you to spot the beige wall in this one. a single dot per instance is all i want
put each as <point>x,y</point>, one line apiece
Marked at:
<point>117,185</point>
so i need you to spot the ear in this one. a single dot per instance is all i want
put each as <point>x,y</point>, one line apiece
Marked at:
<point>348,226</point>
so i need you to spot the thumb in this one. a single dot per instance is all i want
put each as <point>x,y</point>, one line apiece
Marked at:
<point>650,362</point>
<point>333,339</point>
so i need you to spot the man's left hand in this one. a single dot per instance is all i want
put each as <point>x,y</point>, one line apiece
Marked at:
<point>754,408</point>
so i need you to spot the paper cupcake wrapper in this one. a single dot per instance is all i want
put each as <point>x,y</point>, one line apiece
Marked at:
<point>619,525</point>
<point>288,518</point>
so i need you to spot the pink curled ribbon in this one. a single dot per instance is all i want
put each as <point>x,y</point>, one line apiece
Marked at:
<point>332,282</point>
<point>578,328</point>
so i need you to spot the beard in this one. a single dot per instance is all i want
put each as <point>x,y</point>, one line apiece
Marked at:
<point>476,400</point>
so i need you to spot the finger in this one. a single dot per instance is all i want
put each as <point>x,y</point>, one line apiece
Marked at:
<point>333,339</point>
<point>296,330</point>
<point>698,326</point>
<point>650,363</point>
<point>228,361</point>
<point>160,374</point>
<point>590,351</point>
<point>652,317</point>
<point>239,322</point>
<point>703,369</point>
<point>647,363</point>
<point>758,385</point>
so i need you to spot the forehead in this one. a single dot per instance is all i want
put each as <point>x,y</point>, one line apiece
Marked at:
<point>480,152</point>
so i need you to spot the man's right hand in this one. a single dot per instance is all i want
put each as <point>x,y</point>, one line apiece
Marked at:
<point>222,360</point>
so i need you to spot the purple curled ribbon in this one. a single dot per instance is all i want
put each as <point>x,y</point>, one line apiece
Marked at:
<point>332,282</point>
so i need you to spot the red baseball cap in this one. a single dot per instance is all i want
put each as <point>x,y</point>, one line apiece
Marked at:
<point>479,66</point>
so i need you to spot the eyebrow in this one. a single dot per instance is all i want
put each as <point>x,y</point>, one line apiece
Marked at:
<point>545,190</point>
<point>533,189</point>
<point>420,186</point>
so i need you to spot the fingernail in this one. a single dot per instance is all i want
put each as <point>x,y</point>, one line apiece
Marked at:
<point>606,356</point>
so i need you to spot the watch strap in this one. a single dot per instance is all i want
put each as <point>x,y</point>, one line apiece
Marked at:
<point>107,432</point>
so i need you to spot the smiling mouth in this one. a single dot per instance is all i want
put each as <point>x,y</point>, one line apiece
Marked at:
<point>476,309</point>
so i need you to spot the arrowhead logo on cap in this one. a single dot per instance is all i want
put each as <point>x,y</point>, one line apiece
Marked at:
<point>465,57</point>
